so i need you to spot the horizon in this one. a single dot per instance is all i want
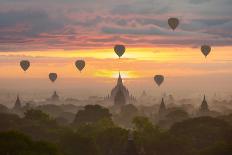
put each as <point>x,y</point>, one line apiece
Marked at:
<point>52,36</point>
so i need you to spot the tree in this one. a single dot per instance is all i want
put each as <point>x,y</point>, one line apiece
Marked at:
<point>14,143</point>
<point>202,132</point>
<point>75,144</point>
<point>217,149</point>
<point>177,115</point>
<point>91,114</point>
<point>39,125</point>
<point>112,141</point>
<point>36,115</point>
<point>145,134</point>
<point>142,124</point>
<point>152,140</point>
<point>127,114</point>
<point>9,121</point>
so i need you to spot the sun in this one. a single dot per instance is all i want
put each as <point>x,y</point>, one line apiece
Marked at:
<point>115,74</point>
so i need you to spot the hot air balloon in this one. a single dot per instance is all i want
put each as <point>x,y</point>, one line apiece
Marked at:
<point>80,64</point>
<point>25,64</point>
<point>53,77</point>
<point>205,49</point>
<point>159,79</point>
<point>173,23</point>
<point>119,50</point>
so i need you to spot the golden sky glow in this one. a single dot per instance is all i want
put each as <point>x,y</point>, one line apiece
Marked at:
<point>53,34</point>
<point>135,63</point>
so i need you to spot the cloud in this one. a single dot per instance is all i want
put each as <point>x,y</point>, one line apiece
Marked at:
<point>73,24</point>
<point>142,7</point>
<point>222,30</point>
<point>199,1</point>
<point>152,30</point>
<point>36,22</point>
<point>28,27</point>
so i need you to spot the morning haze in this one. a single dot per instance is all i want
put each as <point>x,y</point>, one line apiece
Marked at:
<point>107,77</point>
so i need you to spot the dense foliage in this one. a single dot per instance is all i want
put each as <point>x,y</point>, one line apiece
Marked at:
<point>93,132</point>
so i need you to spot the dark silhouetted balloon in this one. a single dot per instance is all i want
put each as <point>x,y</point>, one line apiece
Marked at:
<point>205,49</point>
<point>159,79</point>
<point>80,64</point>
<point>173,23</point>
<point>25,64</point>
<point>53,77</point>
<point>119,50</point>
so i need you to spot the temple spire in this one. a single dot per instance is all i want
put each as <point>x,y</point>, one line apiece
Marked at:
<point>204,105</point>
<point>17,103</point>
<point>162,108</point>
<point>55,96</point>
<point>119,79</point>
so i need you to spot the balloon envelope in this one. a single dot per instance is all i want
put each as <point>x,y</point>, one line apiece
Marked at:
<point>205,49</point>
<point>53,77</point>
<point>25,64</point>
<point>159,79</point>
<point>119,50</point>
<point>173,23</point>
<point>80,64</point>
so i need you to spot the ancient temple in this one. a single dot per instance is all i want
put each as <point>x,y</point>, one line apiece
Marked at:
<point>120,94</point>
<point>162,108</point>
<point>54,98</point>
<point>204,108</point>
<point>17,105</point>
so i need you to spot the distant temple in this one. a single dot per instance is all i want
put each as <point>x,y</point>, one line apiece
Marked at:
<point>17,105</point>
<point>162,108</point>
<point>120,94</point>
<point>204,108</point>
<point>54,98</point>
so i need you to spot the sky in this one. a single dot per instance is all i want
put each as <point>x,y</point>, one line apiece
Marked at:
<point>53,34</point>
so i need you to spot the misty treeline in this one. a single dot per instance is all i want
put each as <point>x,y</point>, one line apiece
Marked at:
<point>96,130</point>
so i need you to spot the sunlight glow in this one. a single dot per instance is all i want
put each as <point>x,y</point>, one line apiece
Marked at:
<point>104,63</point>
<point>115,74</point>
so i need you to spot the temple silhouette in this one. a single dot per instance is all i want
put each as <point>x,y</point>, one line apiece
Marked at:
<point>120,95</point>
<point>17,105</point>
<point>162,108</point>
<point>204,108</point>
<point>54,98</point>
